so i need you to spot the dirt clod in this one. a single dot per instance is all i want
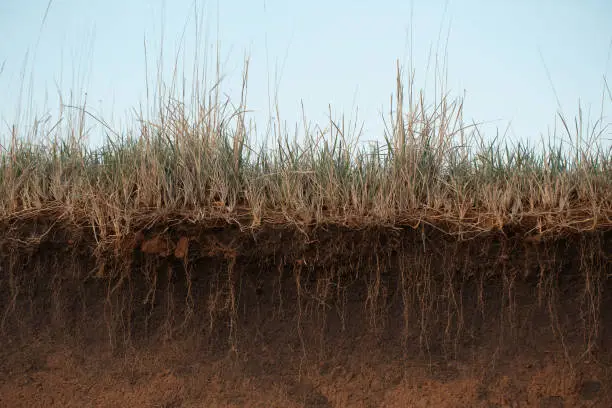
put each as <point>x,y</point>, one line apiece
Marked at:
<point>182,247</point>
<point>589,390</point>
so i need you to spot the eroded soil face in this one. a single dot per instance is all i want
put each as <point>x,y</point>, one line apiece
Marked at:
<point>203,326</point>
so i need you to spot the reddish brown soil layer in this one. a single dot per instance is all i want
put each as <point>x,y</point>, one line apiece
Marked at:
<point>60,376</point>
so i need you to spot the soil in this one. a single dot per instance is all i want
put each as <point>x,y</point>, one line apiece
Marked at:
<point>276,341</point>
<point>49,374</point>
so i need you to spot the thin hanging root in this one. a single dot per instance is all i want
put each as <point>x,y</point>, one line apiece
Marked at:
<point>297,273</point>
<point>14,290</point>
<point>189,301</point>
<point>590,305</point>
<point>280,268</point>
<point>232,304</point>
<point>373,297</point>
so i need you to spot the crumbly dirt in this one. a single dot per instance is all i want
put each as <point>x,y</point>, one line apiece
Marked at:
<point>42,375</point>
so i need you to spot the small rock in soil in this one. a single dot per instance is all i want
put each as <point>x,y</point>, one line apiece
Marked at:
<point>590,389</point>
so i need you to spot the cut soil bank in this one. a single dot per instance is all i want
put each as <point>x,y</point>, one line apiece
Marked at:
<point>184,315</point>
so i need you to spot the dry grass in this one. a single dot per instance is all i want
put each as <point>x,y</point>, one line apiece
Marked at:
<point>200,164</point>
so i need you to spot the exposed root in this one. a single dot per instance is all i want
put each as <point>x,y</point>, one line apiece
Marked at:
<point>442,290</point>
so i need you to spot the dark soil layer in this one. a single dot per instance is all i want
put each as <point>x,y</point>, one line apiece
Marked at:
<point>327,317</point>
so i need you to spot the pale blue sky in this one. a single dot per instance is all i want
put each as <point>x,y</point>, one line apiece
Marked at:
<point>341,53</point>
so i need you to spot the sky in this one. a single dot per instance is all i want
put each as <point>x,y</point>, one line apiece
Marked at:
<point>515,63</point>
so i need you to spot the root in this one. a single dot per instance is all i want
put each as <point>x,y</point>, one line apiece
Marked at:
<point>445,292</point>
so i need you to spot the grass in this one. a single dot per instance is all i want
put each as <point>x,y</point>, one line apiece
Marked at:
<point>203,163</point>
